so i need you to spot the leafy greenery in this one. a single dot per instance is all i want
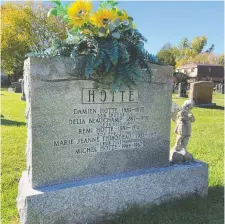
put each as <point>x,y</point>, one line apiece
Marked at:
<point>206,144</point>
<point>188,52</point>
<point>166,55</point>
<point>25,29</point>
<point>221,60</point>
<point>113,48</point>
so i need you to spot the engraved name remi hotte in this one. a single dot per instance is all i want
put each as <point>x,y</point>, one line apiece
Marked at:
<point>102,129</point>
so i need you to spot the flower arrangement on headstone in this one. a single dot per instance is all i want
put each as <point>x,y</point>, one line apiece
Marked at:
<point>105,44</point>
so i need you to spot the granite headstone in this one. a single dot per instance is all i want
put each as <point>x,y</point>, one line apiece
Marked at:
<point>91,152</point>
<point>76,131</point>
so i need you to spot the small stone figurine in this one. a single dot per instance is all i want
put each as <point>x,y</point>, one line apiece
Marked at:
<point>183,117</point>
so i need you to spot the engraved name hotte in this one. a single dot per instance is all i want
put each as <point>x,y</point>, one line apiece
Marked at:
<point>95,96</point>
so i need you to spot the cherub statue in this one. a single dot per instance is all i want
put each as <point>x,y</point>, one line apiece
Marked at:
<point>183,118</point>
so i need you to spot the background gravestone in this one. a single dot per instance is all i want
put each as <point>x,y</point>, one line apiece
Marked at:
<point>16,86</point>
<point>201,92</point>
<point>222,88</point>
<point>217,88</point>
<point>23,97</point>
<point>182,89</point>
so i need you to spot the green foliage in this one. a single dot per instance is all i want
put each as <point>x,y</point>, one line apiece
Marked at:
<point>114,60</point>
<point>23,30</point>
<point>167,55</point>
<point>111,53</point>
<point>211,49</point>
<point>184,43</point>
<point>186,52</point>
<point>198,44</point>
<point>221,60</point>
<point>59,9</point>
<point>108,4</point>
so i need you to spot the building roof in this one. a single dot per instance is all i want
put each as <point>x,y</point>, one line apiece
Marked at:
<point>194,65</point>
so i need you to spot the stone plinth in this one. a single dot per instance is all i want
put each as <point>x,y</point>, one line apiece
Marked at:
<point>88,201</point>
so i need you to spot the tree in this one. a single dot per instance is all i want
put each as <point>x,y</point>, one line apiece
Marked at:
<point>166,55</point>
<point>205,58</point>
<point>193,52</point>
<point>211,49</point>
<point>184,43</point>
<point>221,60</point>
<point>189,52</point>
<point>197,44</point>
<point>25,28</point>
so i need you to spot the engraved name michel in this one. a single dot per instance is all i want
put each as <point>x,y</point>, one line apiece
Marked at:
<point>103,128</point>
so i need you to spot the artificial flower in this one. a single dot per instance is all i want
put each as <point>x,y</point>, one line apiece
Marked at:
<point>122,15</point>
<point>79,12</point>
<point>87,32</point>
<point>103,16</point>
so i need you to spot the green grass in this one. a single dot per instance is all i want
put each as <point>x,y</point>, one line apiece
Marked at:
<point>13,152</point>
<point>206,144</point>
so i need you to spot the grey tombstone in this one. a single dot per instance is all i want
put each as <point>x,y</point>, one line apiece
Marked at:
<point>222,88</point>
<point>219,87</point>
<point>23,97</point>
<point>91,152</point>
<point>97,132</point>
<point>182,89</point>
<point>16,86</point>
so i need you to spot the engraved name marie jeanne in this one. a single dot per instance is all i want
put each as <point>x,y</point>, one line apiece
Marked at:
<point>92,96</point>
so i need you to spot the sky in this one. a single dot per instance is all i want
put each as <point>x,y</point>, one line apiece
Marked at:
<point>164,22</point>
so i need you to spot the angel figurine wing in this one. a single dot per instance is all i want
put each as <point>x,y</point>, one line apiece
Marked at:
<point>174,110</point>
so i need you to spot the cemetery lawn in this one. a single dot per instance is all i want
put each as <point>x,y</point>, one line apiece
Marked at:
<point>206,144</point>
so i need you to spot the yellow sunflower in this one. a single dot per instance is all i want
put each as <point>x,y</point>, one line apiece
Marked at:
<point>79,12</point>
<point>103,16</point>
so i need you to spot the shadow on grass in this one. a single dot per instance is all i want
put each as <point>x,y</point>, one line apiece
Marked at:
<point>11,123</point>
<point>214,107</point>
<point>180,97</point>
<point>191,209</point>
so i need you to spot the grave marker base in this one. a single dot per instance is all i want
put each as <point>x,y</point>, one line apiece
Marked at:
<point>90,200</point>
<point>206,105</point>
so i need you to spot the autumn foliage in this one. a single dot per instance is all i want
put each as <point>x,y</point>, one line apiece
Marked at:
<point>25,27</point>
